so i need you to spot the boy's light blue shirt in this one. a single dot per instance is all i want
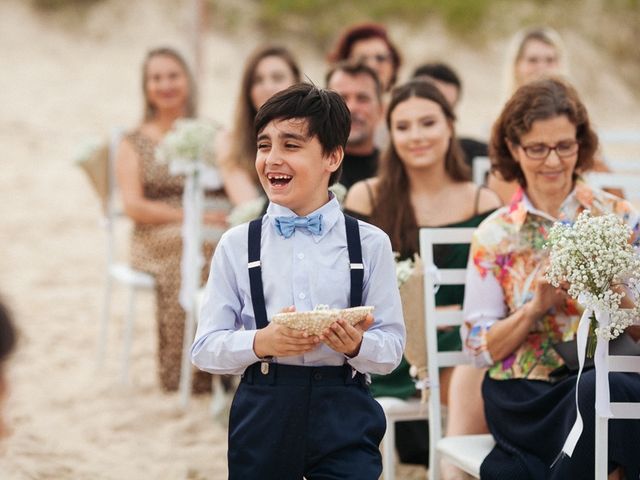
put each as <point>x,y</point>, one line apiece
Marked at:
<point>304,270</point>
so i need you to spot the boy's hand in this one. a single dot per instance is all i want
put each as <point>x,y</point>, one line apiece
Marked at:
<point>279,341</point>
<point>345,338</point>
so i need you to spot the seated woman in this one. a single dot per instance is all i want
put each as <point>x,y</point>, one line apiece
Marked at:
<point>424,182</point>
<point>542,140</point>
<point>152,198</point>
<point>267,71</point>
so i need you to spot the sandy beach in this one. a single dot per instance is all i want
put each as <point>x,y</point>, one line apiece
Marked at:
<point>61,85</point>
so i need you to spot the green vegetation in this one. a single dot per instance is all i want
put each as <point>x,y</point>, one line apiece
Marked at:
<point>59,4</point>
<point>320,18</point>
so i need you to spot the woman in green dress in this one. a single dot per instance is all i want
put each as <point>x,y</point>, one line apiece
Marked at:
<point>424,182</point>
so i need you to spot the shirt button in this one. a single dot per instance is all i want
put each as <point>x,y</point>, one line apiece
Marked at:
<point>302,296</point>
<point>301,256</point>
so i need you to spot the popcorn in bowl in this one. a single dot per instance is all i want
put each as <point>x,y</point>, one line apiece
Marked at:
<point>315,321</point>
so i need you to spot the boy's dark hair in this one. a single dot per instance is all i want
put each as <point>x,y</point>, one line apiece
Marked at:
<point>353,69</point>
<point>438,71</point>
<point>327,116</point>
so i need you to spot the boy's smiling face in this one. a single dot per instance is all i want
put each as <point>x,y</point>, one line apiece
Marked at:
<point>292,167</point>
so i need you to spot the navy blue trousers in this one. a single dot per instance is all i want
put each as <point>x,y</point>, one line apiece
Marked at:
<point>318,422</point>
<point>530,421</point>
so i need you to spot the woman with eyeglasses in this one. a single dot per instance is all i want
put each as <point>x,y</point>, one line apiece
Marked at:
<point>369,43</point>
<point>542,140</point>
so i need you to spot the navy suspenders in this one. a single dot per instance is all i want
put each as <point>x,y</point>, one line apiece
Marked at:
<point>355,260</point>
<point>255,273</point>
<point>255,270</point>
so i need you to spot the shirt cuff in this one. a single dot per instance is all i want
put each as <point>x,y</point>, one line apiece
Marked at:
<point>243,347</point>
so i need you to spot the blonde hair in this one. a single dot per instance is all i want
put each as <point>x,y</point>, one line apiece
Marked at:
<point>515,50</point>
<point>149,109</point>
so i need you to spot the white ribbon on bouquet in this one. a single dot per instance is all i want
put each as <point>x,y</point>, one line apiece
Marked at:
<point>603,405</point>
<point>198,176</point>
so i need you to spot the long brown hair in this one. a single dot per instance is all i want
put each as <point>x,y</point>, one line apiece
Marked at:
<point>392,209</point>
<point>149,109</point>
<point>243,146</point>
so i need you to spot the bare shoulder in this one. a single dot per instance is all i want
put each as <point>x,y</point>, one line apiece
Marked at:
<point>126,153</point>
<point>360,196</point>
<point>488,200</point>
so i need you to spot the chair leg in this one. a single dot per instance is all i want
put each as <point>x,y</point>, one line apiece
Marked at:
<point>128,334</point>
<point>104,321</point>
<point>186,370</point>
<point>389,451</point>
<point>602,447</point>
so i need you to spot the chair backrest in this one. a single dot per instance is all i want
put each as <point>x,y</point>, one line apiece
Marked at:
<point>434,319</point>
<point>111,200</point>
<point>629,183</point>
<point>620,410</point>
<point>620,137</point>
<point>480,167</point>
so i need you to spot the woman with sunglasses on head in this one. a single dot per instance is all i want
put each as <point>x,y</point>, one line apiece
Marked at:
<point>542,140</point>
<point>369,43</point>
<point>424,182</point>
<point>268,70</point>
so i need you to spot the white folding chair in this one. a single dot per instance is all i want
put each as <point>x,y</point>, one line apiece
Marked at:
<point>397,410</point>
<point>480,167</point>
<point>626,410</point>
<point>466,452</point>
<point>133,280</point>
<point>629,183</point>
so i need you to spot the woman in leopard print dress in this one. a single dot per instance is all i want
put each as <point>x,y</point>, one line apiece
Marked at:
<point>152,199</point>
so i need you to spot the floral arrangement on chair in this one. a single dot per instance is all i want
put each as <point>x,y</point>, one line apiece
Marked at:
<point>189,141</point>
<point>595,258</point>
<point>410,277</point>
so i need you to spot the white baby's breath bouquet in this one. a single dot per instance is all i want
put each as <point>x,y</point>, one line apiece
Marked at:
<point>595,258</point>
<point>404,269</point>
<point>189,141</point>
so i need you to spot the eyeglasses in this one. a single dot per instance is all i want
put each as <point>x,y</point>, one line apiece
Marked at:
<point>378,58</point>
<point>540,151</point>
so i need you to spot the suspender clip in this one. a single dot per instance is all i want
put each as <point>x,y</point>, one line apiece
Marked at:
<point>264,368</point>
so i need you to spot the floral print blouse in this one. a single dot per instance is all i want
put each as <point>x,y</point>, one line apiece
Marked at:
<point>506,255</point>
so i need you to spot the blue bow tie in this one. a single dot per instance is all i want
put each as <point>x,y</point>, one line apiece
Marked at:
<point>287,225</point>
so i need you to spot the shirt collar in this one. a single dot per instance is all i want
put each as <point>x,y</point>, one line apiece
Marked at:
<point>582,197</point>
<point>330,211</point>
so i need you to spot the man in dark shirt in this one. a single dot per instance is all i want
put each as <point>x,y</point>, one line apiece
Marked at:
<point>360,88</point>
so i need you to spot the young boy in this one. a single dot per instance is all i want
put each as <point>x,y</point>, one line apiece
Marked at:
<point>303,407</point>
